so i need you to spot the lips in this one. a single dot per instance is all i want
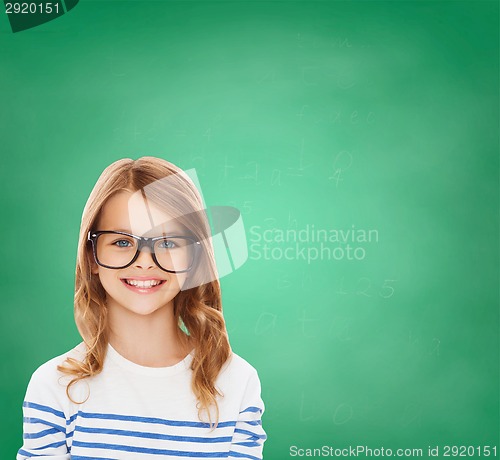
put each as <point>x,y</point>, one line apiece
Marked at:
<point>143,285</point>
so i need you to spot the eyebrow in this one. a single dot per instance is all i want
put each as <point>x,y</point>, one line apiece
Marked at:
<point>124,230</point>
<point>175,231</point>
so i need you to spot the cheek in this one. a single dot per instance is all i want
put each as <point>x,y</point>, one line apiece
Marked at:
<point>108,280</point>
<point>177,281</point>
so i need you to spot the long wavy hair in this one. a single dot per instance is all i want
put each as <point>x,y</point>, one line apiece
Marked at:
<point>197,310</point>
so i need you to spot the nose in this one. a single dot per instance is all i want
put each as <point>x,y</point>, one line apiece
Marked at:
<point>144,259</point>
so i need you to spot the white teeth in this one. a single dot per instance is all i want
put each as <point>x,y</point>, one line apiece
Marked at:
<point>143,284</point>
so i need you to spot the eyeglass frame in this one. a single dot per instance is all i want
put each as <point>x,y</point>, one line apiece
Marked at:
<point>144,241</point>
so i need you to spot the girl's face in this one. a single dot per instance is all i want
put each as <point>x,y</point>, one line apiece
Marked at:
<point>134,288</point>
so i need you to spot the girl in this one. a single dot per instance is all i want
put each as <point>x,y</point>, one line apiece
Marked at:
<point>154,377</point>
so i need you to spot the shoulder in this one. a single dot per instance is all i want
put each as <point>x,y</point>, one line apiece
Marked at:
<point>47,380</point>
<point>237,362</point>
<point>238,371</point>
<point>239,382</point>
<point>49,370</point>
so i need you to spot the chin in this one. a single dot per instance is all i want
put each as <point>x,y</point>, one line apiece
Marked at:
<point>146,309</point>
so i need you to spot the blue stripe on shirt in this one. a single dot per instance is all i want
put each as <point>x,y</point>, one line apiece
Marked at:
<point>146,450</point>
<point>251,409</point>
<point>252,422</point>
<point>233,453</point>
<point>159,421</point>
<point>40,434</point>
<point>79,457</point>
<point>250,433</point>
<point>43,422</point>
<point>247,443</point>
<point>32,405</point>
<point>149,435</point>
<point>49,446</point>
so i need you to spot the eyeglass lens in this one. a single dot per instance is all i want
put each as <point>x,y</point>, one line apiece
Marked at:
<point>172,253</point>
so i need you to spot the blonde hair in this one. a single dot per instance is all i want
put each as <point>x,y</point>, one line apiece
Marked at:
<point>198,309</point>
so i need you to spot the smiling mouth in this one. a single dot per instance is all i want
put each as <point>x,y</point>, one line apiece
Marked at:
<point>143,284</point>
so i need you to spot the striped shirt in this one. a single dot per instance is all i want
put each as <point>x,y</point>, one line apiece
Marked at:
<point>134,412</point>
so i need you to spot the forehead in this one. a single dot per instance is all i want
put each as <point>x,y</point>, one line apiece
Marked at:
<point>131,212</point>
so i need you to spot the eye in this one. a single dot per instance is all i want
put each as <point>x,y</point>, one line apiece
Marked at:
<point>122,243</point>
<point>166,244</point>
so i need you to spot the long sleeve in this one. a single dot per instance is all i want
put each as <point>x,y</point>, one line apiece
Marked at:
<point>249,436</point>
<point>44,422</point>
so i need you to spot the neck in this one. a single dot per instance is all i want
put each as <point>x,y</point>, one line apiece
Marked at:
<point>148,340</point>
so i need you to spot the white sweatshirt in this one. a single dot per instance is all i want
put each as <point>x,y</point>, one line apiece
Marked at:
<point>136,412</point>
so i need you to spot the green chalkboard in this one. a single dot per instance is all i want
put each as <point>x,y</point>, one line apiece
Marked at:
<point>360,142</point>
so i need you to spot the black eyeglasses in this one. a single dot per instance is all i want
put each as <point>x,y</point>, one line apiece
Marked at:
<point>173,254</point>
